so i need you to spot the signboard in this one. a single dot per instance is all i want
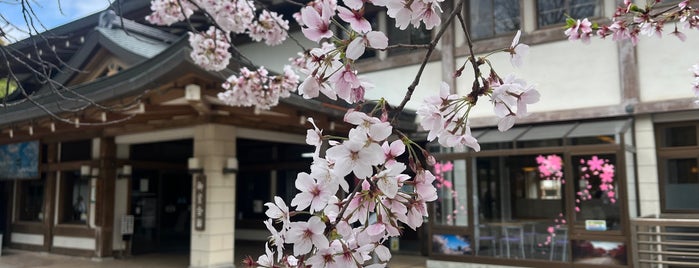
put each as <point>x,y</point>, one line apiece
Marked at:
<point>199,202</point>
<point>19,160</point>
<point>595,225</point>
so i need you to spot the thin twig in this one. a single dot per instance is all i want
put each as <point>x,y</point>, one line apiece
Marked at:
<point>432,45</point>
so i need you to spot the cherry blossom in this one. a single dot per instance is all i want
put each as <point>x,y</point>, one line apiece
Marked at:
<point>232,15</point>
<point>167,12</point>
<point>355,18</point>
<point>306,235</point>
<point>354,156</point>
<point>317,24</point>
<point>258,88</point>
<point>278,211</point>
<point>517,51</point>
<point>510,100</point>
<point>314,195</point>
<point>392,150</point>
<point>374,39</point>
<point>210,49</point>
<point>269,27</point>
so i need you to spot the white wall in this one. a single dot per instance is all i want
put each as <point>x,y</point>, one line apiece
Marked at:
<point>74,242</point>
<point>392,84</point>
<point>29,239</point>
<point>664,65</point>
<point>274,58</point>
<point>568,76</point>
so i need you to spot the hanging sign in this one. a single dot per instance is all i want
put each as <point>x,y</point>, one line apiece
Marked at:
<point>199,202</point>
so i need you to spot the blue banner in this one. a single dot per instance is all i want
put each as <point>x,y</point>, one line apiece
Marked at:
<point>19,160</point>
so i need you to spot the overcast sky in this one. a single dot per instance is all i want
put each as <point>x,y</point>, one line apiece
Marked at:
<point>51,13</point>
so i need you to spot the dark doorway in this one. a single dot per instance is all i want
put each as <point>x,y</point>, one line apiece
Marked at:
<point>5,204</point>
<point>161,190</point>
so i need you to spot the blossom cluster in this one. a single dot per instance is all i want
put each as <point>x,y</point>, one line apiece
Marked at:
<point>344,232</point>
<point>630,21</point>
<point>210,49</point>
<point>445,116</point>
<point>550,167</point>
<point>602,169</point>
<point>258,88</point>
<point>230,16</point>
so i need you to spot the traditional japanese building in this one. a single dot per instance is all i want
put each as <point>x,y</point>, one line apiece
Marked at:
<point>160,164</point>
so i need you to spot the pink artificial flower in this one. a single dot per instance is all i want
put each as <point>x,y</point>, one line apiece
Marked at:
<point>317,26</point>
<point>374,39</point>
<point>595,163</point>
<point>305,235</point>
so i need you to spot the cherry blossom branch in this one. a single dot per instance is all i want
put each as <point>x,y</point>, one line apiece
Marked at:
<point>432,45</point>
<point>412,46</point>
<point>340,215</point>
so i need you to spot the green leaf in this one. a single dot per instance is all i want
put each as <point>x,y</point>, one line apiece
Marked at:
<point>7,86</point>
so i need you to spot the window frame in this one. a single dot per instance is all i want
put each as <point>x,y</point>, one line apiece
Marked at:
<point>63,194</point>
<point>19,201</point>
<point>575,231</point>
<point>664,153</point>
<point>600,5</point>
<point>466,11</point>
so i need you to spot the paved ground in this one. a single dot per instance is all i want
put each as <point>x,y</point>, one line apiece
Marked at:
<point>26,259</point>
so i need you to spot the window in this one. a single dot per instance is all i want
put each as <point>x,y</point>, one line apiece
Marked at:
<point>268,169</point>
<point>596,192</point>
<point>490,18</point>
<point>520,198</point>
<point>451,206</point>
<point>31,200</point>
<point>678,161</point>
<point>411,36</point>
<point>76,150</point>
<point>75,196</point>
<point>553,12</point>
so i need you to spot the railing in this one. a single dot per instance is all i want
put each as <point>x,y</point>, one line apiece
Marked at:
<point>665,242</point>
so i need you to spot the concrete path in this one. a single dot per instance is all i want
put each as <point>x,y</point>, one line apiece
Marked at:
<point>26,259</point>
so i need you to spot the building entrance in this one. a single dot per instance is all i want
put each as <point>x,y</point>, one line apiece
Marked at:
<point>161,197</point>
<point>161,205</point>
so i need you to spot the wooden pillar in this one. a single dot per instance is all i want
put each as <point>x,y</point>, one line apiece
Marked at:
<point>104,210</point>
<point>50,195</point>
